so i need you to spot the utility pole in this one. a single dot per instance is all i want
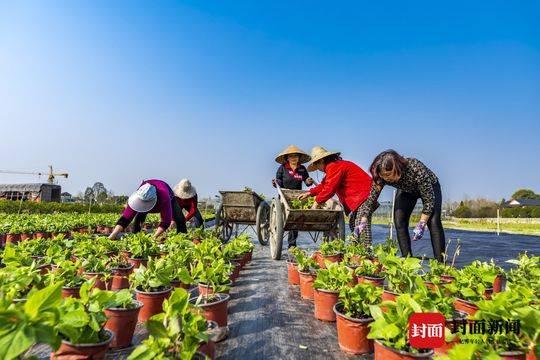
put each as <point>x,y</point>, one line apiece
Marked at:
<point>498,221</point>
<point>392,215</point>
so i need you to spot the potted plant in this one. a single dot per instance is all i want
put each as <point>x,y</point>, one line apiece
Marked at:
<point>176,333</point>
<point>402,275</point>
<point>326,289</point>
<point>353,317</point>
<point>293,277</point>
<point>120,270</point>
<point>391,328</point>
<point>68,273</point>
<point>25,324</point>
<point>16,283</point>
<point>122,312</point>
<point>97,267</point>
<point>306,267</point>
<point>526,271</point>
<point>152,287</point>
<point>439,274</point>
<point>331,251</point>
<point>180,275</point>
<point>140,247</point>
<point>215,274</point>
<point>369,271</point>
<point>81,325</point>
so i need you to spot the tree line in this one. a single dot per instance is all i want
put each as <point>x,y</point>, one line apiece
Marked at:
<point>484,208</point>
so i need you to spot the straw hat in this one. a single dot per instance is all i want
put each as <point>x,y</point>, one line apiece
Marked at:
<point>292,149</point>
<point>184,189</point>
<point>144,199</point>
<point>318,153</point>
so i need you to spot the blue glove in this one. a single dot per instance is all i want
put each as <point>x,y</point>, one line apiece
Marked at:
<point>419,230</point>
<point>360,228</point>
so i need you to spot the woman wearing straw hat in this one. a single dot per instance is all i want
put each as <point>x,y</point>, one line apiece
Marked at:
<point>186,197</point>
<point>291,174</point>
<point>344,178</point>
<point>152,196</point>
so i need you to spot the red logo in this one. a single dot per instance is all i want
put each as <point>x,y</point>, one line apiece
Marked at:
<point>426,330</point>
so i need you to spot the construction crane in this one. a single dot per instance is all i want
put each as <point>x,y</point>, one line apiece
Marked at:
<point>50,176</point>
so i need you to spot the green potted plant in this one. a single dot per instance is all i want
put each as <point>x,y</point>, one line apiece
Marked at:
<point>180,274</point>
<point>210,277</point>
<point>439,274</point>
<point>120,269</point>
<point>22,325</point>
<point>353,316</point>
<point>331,251</point>
<point>526,271</point>
<point>97,267</point>
<point>81,325</point>
<point>306,270</point>
<point>122,312</point>
<point>152,286</point>
<point>176,333</point>
<point>140,247</point>
<point>390,329</point>
<point>402,275</point>
<point>326,289</point>
<point>369,271</point>
<point>68,273</point>
<point>293,277</point>
<point>16,283</point>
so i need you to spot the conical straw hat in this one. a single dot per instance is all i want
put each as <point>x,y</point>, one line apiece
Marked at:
<point>292,149</point>
<point>318,153</point>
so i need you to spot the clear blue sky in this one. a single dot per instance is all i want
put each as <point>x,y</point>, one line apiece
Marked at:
<point>212,90</point>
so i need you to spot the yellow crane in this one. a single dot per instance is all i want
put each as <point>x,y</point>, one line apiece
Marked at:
<point>50,176</point>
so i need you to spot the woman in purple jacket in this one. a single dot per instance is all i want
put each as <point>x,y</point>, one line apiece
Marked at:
<point>152,196</point>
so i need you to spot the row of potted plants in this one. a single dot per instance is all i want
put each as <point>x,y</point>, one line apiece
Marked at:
<point>135,264</point>
<point>372,292</point>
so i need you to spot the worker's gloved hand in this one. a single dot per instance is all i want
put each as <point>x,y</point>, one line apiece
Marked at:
<point>419,230</point>
<point>359,229</point>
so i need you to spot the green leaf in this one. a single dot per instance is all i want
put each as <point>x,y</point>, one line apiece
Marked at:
<point>17,342</point>
<point>43,299</point>
<point>76,318</point>
<point>156,328</point>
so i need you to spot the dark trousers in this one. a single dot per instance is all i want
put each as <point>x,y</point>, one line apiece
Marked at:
<point>293,235</point>
<point>403,208</point>
<point>198,219</point>
<point>178,218</point>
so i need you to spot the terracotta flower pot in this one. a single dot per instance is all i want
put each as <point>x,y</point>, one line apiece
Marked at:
<point>443,350</point>
<point>122,323</point>
<point>137,262</point>
<point>207,289</point>
<point>448,278</point>
<point>487,293</point>
<point>236,270</point>
<point>306,285</point>
<point>26,236</point>
<point>324,301</point>
<point>40,235</point>
<point>3,239</point>
<point>498,283</point>
<point>531,355</point>
<point>69,351</point>
<point>13,238</point>
<point>100,283</point>
<point>430,285</point>
<point>152,302</point>
<point>240,260</point>
<point>389,295</point>
<point>352,333</point>
<point>513,355</point>
<point>215,309</point>
<point>120,277</point>
<point>375,280</point>
<point>465,306</point>
<point>293,277</point>
<point>383,352</point>
<point>248,256</point>
<point>331,258</point>
<point>73,292</point>
<point>209,348</point>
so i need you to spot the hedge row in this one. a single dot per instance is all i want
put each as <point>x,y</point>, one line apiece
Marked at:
<point>28,207</point>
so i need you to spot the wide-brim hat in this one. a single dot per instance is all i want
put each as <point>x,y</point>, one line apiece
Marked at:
<point>144,199</point>
<point>318,153</point>
<point>184,189</point>
<point>292,149</point>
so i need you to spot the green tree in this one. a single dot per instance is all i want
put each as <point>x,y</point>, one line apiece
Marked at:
<point>463,211</point>
<point>525,194</point>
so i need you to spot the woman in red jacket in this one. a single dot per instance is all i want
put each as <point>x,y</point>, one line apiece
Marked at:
<point>345,179</point>
<point>185,195</point>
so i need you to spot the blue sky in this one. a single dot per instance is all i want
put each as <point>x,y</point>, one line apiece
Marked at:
<point>212,90</point>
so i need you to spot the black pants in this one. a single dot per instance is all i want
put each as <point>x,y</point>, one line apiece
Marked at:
<point>178,218</point>
<point>404,205</point>
<point>198,219</point>
<point>293,235</point>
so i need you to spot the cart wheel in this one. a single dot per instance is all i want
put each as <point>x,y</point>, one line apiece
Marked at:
<point>276,229</point>
<point>263,223</point>
<point>223,227</point>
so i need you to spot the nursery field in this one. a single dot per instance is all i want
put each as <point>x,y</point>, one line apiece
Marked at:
<point>190,296</point>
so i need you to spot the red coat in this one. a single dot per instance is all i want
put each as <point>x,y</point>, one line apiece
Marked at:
<point>190,205</point>
<point>346,179</point>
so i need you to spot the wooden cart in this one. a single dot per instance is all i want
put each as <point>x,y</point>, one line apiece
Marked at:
<point>328,222</point>
<point>240,210</point>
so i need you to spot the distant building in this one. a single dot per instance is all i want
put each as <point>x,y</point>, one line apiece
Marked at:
<point>31,192</point>
<point>67,198</point>
<point>522,203</point>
